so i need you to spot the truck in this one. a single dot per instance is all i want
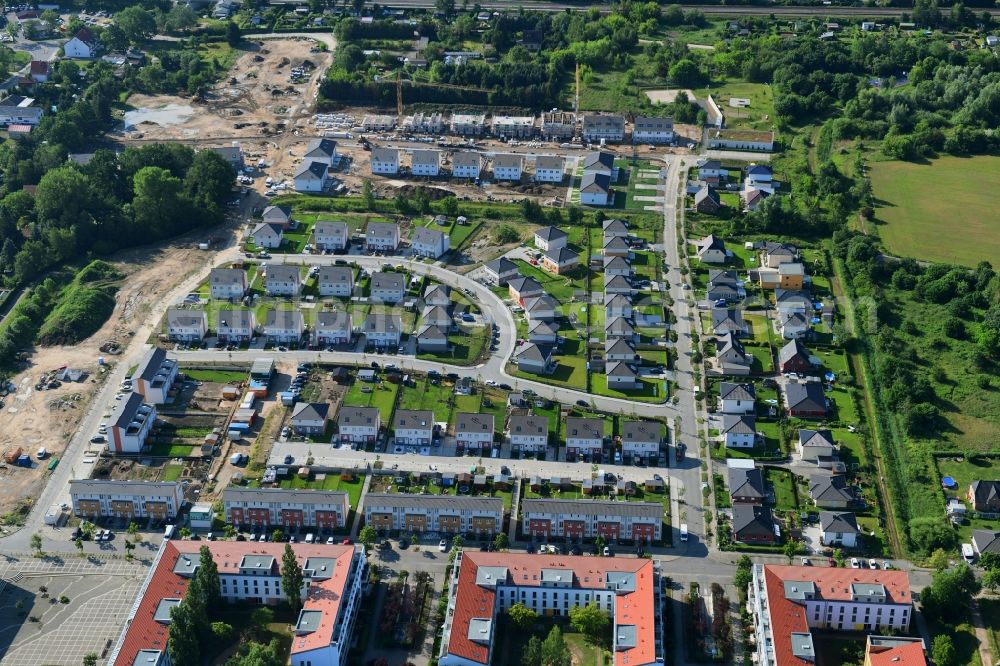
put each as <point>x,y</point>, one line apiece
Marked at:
<point>53,515</point>
<point>23,460</point>
<point>236,458</point>
<point>684,532</point>
<point>168,533</point>
<point>202,246</point>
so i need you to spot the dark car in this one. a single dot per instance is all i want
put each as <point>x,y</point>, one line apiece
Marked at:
<point>582,403</point>
<point>288,460</point>
<point>575,550</point>
<point>506,387</point>
<point>403,544</point>
<point>453,376</point>
<point>531,548</point>
<point>375,365</point>
<point>385,545</point>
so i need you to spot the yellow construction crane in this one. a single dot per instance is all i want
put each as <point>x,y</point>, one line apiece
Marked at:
<point>414,82</point>
<point>576,103</point>
<point>399,94</point>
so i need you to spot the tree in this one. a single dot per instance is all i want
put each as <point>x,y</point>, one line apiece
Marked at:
<point>522,617</point>
<point>277,535</point>
<point>261,616</point>
<point>991,579</point>
<point>505,234</point>
<point>791,549</point>
<point>500,541</point>
<point>450,206</point>
<point>368,194</point>
<point>989,561</point>
<point>133,530</point>
<point>137,23</point>
<point>532,655</point>
<point>79,545</point>
<point>208,575</point>
<point>184,533</point>
<point>180,17</point>
<point>222,632</point>
<point>182,641</point>
<point>591,621</point>
<point>257,654</point>
<point>599,544</point>
<point>838,557</point>
<point>367,537</point>
<point>943,650</point>
<point>209,183</point>
<point>685,73</point>
<point>445,7</point>
<point>949,593</point>
<point>233,34</point>
<point>36,544</point>
<point>291,578</point>
<point>90,659</point>
<point>554,651</point>
<point>230,531</point>
<point>456,542</point>
<point>157,205</point>
<point>929,532</point>
<point>939,560</point>
<point>744,574</point>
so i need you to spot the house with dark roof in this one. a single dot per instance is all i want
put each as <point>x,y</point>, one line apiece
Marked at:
<point>584,436</point>
<point>550,238</point>
<point>382,330</point>
<point>413,427</point>
<point>358,424</point>
<point>561,260</point>
<point>543,332</point>
<point>282,280</point>
<point>381,237</point>
<point>724,285</point>
<point>523,288</point>
<point>707,201</point>
<point>534,358</point>
<point>600,162</point>
<point>619,349</point>
<point>432,338</point>
<point>430,243</point>
<point>737,398</point>
<point>606,127</point>
<point>754,524</point>
<point>986,541</point>
<point>541,308</point>
<point>154,376</point>
<point>335,281</point>
<point>774,254</point>
<point>746,486</point>
<point>595,189</point>
<point>312,176</point>
<point>617,305</point>
<point>984,496</point>
<point>711,250</point>
<point>830,491</point>
<point>281,215</point>
<point>620,327</point>
<point>621,376</point>
<point>728,320</point>
<point>739,431</point>
<point>652,129</point>
<point>839,529</point>
<point>500,271</point>
<point>794,357</point>
<point>236,325</point>
<point>321,150</point>
<point>333,328</point>
<point>793,325</point>
<point>614,227</point>
<point>617,284</point>
<point>267,235</point>
<point>282,327</point>
<point>615,246</point>
<point>310,418</point>
<point>730,356</point>
<point>436,315</point>
<point>528,432</point>
<point>331,235</point>
<point>815,445</point>
<point>473,431</point>
<point>184,325</point>
<point>82,45</point>
<point>805,399</point>
<point>587,519</point>
<point>759,175</point>
<point>387,287</point>
<point>641,438</point>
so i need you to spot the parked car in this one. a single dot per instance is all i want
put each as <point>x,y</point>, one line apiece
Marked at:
<point>443,545</point>
<point>855,564</point>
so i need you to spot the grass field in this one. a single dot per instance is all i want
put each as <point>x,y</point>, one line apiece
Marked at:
<point>938,212</point>
<point>381,396</point>
<point>218,376</point>
<point>759,115</point>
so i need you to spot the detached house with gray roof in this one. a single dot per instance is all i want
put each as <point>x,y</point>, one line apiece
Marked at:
<point>335,281</point>
<point>584,436</point>
<point>730,356</point>
<point>746,486</point>
<point>312,176</point>
<point>382,237</point>
<point>754,524</point>
<point>534,358</point>
<point>387,287</point>
<point>185,325</point>
<point>227,283</point>
<point>543,332</point>
<point>815,445</point>
<point>621,376</point>
<point>984,496</point>
<point>805,399</point>
<point>500,271</point>
<point>508,167</point>
<point>310,418</point>
<point>711,250</point>
<point>738,431</point>
<point>331,235</point>
<point>358,424</point>
<point>382,330</point>
<point>830,491</point>
<point>432,338</point>
<point>267,235</point>
<point>385,161</point>
<point>550,169</point>
<point>839,529</point>
<point>737,398</point>
<point>430,243</point>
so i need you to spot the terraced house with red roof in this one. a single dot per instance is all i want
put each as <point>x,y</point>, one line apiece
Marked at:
<point>250,572</point>
<point>788,602</point>
<point>484,585</point>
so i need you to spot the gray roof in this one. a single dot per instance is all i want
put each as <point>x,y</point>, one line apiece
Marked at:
<point>227,276</point>
<point>466,159</point>
<point>727,318</point>
<point>528,424</point>
<point>647,510</point>
<point>115,487</point>
<point>709,164</point>
<point>752,519</point>
<point>985,491</point>
<point>282,273</point>
<point>508,160</point>
<point>375,501</point>
<point>642,431</point>
<point>472,422</point>
<point>986,541</point>
<point>746,483</point>
<point>710,242</point>
<point>619,369</point>
<point>432,157</point>
<point>584,428</point>
<point>792,349</point>
<point>285,319</point>
<point>717,277</point>
<point>380,280</point>
<point>310,411</point>
<point>184,317</point>
<point>427,235</point>
<point>844,522</point>
<point>739,424</point>
<point>815,437</point>
<point>562,255</point>
<point>413,418</point>
<point>313,168</point>
<point>550,162</point>
<point>358,416</point>
<point>435,290</point>
<point>619,326</point>
<point>282,495</point>
<point>829,488</point>
<point>282,213</point>
<point>653,124</point>
<point>325,147</point>
<point>616,263</point>
<point>236,318</point>
<point>615,243</point>
<point>614,226</point>
<point>616,300</point>
<point>618,346</point>
<point>432,332</point>
<point>150,364</point>
<point>333,321</point>
<point>805,396</point>
<point>329,228</point>
<point>593,181</point>
<point>436,313</point>
<point>598,160</point>
<point>382,230</point>
<point>534,352</point>
<point>542,327</point>
<point>385,155</point>
<point>543,302</point>
<point>383,323</point>
<point>501,266</point>
<point>525,285</point>
<point>335,275</point>
<point>734,391</point>
<point>550,233</point>
<point>603,121</point>
<point>616,282</point>
<point>708,193</point>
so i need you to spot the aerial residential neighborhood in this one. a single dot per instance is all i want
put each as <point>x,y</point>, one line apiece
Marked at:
<point>544,335</point>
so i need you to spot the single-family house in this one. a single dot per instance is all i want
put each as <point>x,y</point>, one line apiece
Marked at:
<point>312,176</point>
<point>641,438</point>
<point>650,129</point>
<point>986,541</point>
<point>387,287</point>
<point>466,164</point>
<point>430,243</point>
<point>707,201</point>
<point>595,189</point>
<point>331,235</point>
<point>550,169</point>
<point>226,284</point>
<point>791,276</point>
<point>984,496</point>
<point>500,271</point>
<point>711,250</point>
<point>235,326</point>
<point>382,330</point>
<point>830,491</point>
<point>617,305</point>
<point>534,358</point>
<point>793,325</point>
<point>614,227</point>
<point>598,127</point>
<point>815,445</point>
<point>358,424</point>
<point>385,161</point>
<point>839,529</point>
<point>759,175</point>
<point>619,327</point>
<point>310,418</point>
<point>617,266</point>
<point>730,356</point>
<point>283,280</point>
<point>437,294</point>
<point>724,286</point>
<point>523,288</point>
<point>381,237</point>
<point>746,485</point>
<point>280,215</point>
<point>711,171</point>
<point>550,238</point>
<point>616,284</point>
<point>38,70</point>
<point>267,235</point>
<point>508,166</point>
<point>81,45</point>
<point>619,349</point>
<point>739,431</point>
<point>774,254</point>
<point>728,320</point>
<point>753,197</point>
<point>185,325</point>
<point>736,398</point>
<point>436,315</point>
<point>541,308</point>
<point>425,163</point>
<point>413,427</point>
<point>615,246</point>
<point>584,436</point>
<point>284,327</point>
<point>528,432</point>
<point>754,524</point>
<point>335,281</point>
<point>805,399</point>
<point>621,376</point>
<point>792,301</point>
<point>474,431</point>
<point>601,162</point>
<point>542,332</point>
<point>432,338</point>
<point>561,260</point>
<point>794,357</point>
<point>321,150</point>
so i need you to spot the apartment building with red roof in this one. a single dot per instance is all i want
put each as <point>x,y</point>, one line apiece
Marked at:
<point>788,602</point>
<point>894,651</point>
<point>485,584</point>
<point>250,572</point>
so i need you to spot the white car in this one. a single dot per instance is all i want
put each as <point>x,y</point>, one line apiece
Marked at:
<point>443,546</point>
<point>872,564</point>
<point>855,564</point>
<point>490,382</point>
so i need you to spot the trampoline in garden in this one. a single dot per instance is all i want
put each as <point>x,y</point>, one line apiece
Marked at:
<point>948,482</point>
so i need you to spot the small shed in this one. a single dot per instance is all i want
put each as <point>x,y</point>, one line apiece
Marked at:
<point>479,482</point>
<point>447,479</point>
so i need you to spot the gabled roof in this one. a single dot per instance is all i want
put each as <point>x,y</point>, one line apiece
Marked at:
<point>542,327</point>
<point>747,483</point>
<point>431,157</point>
<point>562,255</point>
<point>728,342</point>
<point>358,416</point>
<point>86,36</point>
<point>380,280</point>
<point>735,391</point>
<point>534,352</point>
<point>619,327</point>
<point>186,318</point>
<point>284,319</point>
<point>382,230</point>
<point>310,411</point>
<point>428,236</point>
<point>710,242</point>
<point>616,300</point>
<point>793,319</point>
<point>333,321</point>
<point>470,422</point>
<point>616,282</point>
<point>824,487</point>
<point>985,491</point>
<point>432,332</point>
<point>557,162</point>
<point>383,323</point>
<point>619,369</point>
<point>282,273</point>
<point>895,651</point>
<point>844,522</point>
<point>729,318</point>
<point>805,396</point>
<point>598,160</point>
<point>616,263</point>
<point>615,243</point>
<point>758,170</point>
<point>413,418</point>
<point>435,313</point>
<point>501,266</point>
<point>39,67</point>
<point>266,229</point>
<point>822,438</point>
<point>524,285</point>
<point>792,349</point>
<point>594,182</point>
<point>584,428</point>
<point>550,234</point>
<point>615,226</point>
<point>390,155</point>
<point>752,519</point>
<point>709,164</point>
<point>707,193</point>
<point>335,275</point>
<point>508,161</point>
<point>466,159</point>
<point>534,425</point>
<point>617,347</point>
<point>330,228</point>
<point>312,169</point>
<point>277,213</point>
<point>738,424</point>
<point>986,541</point>
<point>718,277</point>
<point>325,147</point>
<point>642,431</point>
<point>236,318</point>
<point>540,304</point>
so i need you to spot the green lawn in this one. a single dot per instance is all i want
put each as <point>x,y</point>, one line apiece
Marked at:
<point>218,376</point>
<point>331,482</point>
<point>759,115</point>
<point>783,483</point>
<point>172,472</point>
<point>559,287</point>
<point>653,390</point>
<point>381,395</point>
<point>465,348</point>
<point>168,450</point>
<point>437,398</point>
<point>919,206</point>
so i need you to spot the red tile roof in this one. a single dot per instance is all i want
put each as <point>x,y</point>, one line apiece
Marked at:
<point>475,602</point>
<point>39,67</point>
<point>910,653</point>
<point>145,633</point>
<point>788,617</point>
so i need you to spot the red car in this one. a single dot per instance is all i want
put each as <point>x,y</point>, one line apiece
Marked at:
<point>347,542</point>
<point>533,262</point>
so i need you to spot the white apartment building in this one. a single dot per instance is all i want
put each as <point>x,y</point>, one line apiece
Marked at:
<point>107,498</point>
<point>129,424</point>
<point>641,438</point>
<point>330,235</point>
<point>425,163</point>
<point>283,280</point>
<point>154,376</point>
<point>385,161</point>
<point>514,127</point>
<point>413,427</point>
<point>286,508</point>
<point>185,325</point>
<point>528,432</point>
<point>434,513</point>
<point>789,601</point>
<point>226,283</point>
<point>335,281</point>
<point>588,519</point>
<point>358,424</point>
<point>610,128</point>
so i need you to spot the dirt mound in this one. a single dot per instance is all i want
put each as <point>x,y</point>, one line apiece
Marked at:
<point>433,193</point>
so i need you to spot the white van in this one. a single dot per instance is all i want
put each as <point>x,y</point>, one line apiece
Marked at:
<point>236,458</point>
<point>684,532</point>
<point>310,538</point>
<point>968,554</point>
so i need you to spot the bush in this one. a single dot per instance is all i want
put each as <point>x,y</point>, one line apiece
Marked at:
<point>505,234</point>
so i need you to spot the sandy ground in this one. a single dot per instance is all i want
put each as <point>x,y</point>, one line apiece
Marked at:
<point>668,96</point>
<point>34,419</point>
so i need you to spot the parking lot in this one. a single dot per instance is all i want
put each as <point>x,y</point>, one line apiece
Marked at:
<point>59,610</point>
